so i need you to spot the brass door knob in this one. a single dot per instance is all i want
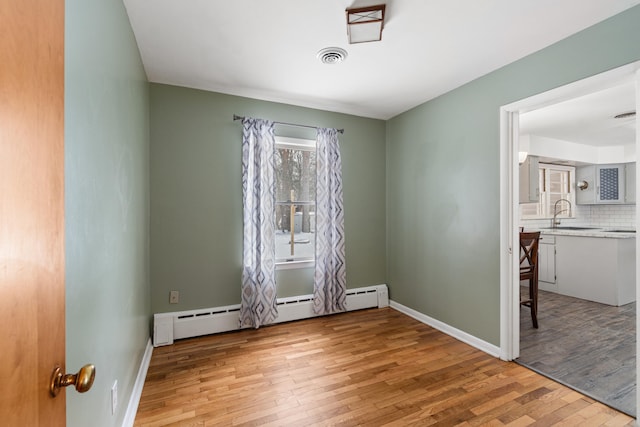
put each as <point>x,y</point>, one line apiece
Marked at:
<point>82,381</point>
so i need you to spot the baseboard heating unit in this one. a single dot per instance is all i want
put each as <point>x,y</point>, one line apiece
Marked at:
<point>168,327</point>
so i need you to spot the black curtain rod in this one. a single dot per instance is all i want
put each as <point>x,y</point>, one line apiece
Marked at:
<point>236,117</point>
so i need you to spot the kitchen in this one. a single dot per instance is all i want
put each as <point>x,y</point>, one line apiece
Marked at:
<point>577,186</point>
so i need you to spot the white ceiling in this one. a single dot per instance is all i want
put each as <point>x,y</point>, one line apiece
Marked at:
<point>267,49</point>
<point>589,119</point>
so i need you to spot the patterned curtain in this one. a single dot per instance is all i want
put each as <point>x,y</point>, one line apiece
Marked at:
<point>329,290</point>
<point>258,305</point>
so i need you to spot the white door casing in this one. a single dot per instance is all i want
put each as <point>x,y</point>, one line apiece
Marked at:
<point>509,196</point>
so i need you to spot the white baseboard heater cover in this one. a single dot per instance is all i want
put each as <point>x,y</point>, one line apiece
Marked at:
<point>168,327</point>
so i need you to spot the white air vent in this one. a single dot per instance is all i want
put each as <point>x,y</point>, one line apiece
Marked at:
<point>332,55</point>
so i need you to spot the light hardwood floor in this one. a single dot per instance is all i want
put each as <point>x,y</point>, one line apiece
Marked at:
<point>367,368</point>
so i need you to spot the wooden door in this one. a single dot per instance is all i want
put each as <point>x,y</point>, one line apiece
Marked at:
<point>32,322</point>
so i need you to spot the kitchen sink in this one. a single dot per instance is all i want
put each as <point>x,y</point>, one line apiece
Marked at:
<point>571,228</point>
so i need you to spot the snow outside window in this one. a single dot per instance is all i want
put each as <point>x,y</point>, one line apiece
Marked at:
<point>295,202</point>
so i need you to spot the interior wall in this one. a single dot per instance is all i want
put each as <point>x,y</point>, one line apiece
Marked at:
<point>107,207</point>
<point>443,189</point>
<point>196,195</point>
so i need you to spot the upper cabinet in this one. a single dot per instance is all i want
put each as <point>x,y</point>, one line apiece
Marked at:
<point>605,184</point>
<point>610,183</point>
<point>630,183</point>
<point>586,185</point>
<point>529,181</point>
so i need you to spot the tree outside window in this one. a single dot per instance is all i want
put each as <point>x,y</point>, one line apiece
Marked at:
<point>295,199</point>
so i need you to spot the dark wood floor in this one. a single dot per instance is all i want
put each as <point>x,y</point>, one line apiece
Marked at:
<point>587,345</point>
<point>366,368</point>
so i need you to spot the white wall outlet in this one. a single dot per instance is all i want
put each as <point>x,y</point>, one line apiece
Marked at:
<point>174,297</point>
<point>114,397</point>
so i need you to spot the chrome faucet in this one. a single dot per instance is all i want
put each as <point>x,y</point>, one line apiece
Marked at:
<point>555,222</point>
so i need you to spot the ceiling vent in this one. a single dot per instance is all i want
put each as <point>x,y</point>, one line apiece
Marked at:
<point>625,115</point>
<point>332,55</point>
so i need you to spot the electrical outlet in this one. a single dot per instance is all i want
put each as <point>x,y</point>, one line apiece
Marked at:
<point>114,397</point>
<point>174,297</point>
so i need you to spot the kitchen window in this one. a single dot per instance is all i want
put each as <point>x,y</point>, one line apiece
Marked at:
<point>295,202</point>
<point>555,183</point>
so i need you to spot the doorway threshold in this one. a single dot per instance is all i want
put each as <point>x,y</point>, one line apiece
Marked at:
<point>620,408</point>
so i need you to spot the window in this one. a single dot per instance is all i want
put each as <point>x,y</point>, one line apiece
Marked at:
<point>295,202</point>
<point>556,182</point>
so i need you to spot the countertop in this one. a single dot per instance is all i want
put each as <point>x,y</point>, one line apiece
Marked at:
<point>611,233</point>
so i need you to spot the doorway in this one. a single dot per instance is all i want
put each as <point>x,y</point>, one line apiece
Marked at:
<point>510,115</point>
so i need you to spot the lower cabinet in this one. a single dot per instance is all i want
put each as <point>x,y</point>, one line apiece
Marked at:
<point>547,263</point>
<point>596,269</point>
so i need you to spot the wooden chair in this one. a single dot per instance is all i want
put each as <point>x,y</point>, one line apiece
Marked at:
<point>529,242</point>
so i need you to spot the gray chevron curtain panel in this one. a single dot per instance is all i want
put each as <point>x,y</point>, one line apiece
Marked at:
<point>329,290</point>
<point>258,304</point>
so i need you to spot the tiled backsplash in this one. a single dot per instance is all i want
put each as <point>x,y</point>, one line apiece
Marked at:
<point>603,216</point>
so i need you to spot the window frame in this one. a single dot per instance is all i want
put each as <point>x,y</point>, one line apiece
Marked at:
<point>544,201</point>
<point>283,142</point>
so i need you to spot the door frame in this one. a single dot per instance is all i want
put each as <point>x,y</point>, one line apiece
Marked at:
<point>509,195</point>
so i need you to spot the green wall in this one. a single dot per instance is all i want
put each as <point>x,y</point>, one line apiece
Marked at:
<point>421,193</point>
<point>107,207</point>
<point>443,180</point>
<point>196,195</point>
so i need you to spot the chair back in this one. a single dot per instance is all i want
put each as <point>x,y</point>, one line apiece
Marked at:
<point>529,271</point>
<point>529,242</point>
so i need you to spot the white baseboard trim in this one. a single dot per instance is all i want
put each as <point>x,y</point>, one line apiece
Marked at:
<point>134,401</point>
<point>447,329</point>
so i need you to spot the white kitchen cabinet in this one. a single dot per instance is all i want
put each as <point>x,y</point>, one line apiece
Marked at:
<point>586,185</point>
<point>599,269</point>
<point>610,183</point>
<point>630,183</point>
<point>547,263</point>
<point>605,184</point>
<point>529,181</point>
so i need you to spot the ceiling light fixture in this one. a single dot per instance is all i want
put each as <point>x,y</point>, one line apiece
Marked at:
<point>364,24</point>
<point>332,55</point>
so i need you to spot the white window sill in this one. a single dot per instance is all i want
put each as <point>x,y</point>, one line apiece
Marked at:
<point>291,265</point>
